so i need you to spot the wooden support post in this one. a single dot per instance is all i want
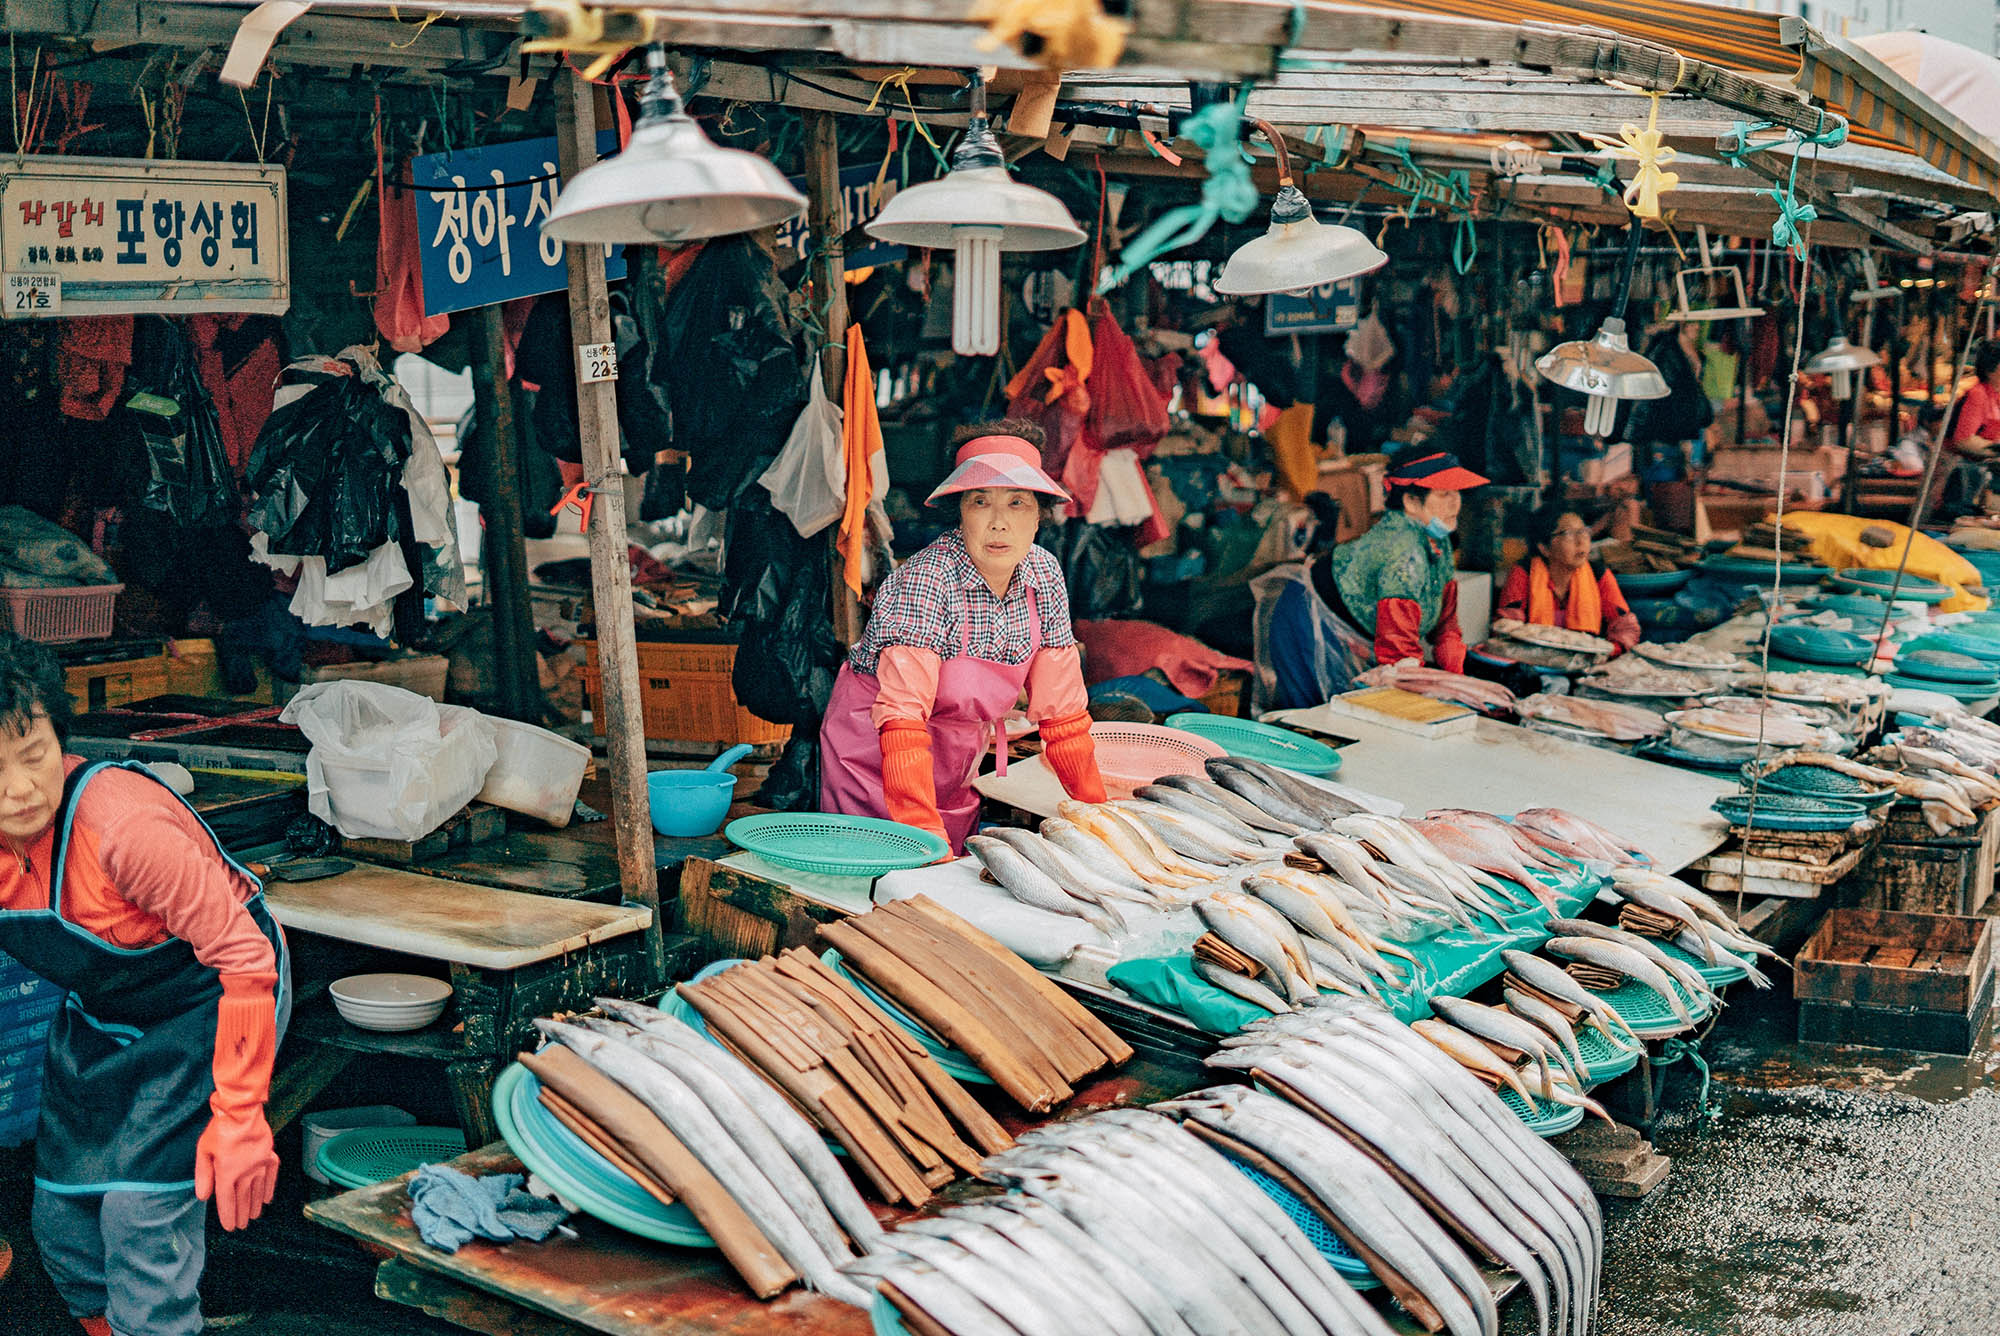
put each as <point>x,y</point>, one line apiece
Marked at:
<point>610,567</point>
<point>503,555</point>
<point>827,225</point>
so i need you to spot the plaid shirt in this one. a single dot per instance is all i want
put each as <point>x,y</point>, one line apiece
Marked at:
<point>937,600</point>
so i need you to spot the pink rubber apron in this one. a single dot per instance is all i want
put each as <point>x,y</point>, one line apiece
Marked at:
<point>973,696</point>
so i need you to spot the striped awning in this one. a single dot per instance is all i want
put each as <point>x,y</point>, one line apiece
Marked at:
<point>1882,108</point>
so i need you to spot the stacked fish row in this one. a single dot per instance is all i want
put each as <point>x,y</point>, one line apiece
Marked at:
<point>701,1127</point>
<point>1652,904</point>
<point>1413,1162</point>
<point>1948,773</point>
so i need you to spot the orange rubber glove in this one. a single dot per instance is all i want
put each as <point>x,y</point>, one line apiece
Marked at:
<point>234,1161</point>
<point>909,786</point>
<point>1070,752</point>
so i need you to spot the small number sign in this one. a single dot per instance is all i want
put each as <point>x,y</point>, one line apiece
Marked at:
<point>32,295</point>
<point>596,362</point>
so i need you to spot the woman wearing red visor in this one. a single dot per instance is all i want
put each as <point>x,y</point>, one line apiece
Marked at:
<point>1387,596</point>
<point>957,633</point>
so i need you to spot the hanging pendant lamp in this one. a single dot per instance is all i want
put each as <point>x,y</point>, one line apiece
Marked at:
<point>977,211</point>
<point>672,183</point>
<point>1840,360</point>
<point>1298,252</point>
<point>1604,368</point>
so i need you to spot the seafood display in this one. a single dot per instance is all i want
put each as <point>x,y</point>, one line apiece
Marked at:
<point>1611,719</point>
<point>1631,675</point>
<point>1412,675</point>
<point>1701,658</point>
<point>1572,836</point>
<point>1552,637</point>
<point>1949,791</point>
<point>1771,728</point>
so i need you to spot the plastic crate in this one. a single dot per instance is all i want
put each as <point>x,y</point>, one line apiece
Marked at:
<point>685,694</point>
<point>53,616</point>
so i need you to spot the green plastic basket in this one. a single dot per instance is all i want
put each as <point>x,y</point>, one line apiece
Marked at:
<point>1718,976</point>
<point>1547,1118</point>
<point>835,845</point>
<point>370,1155</point>
<point>1602,1059</point>
<point>1259,742</point>
<point>1648,1013</point>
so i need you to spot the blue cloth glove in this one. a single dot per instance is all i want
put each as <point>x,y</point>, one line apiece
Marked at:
<point>450,1209</point>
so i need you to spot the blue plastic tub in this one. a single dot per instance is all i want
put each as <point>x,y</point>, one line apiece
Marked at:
<point>688,804</point>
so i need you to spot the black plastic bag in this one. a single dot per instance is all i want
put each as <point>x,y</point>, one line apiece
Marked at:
<point>775,597</point>
<point>187,476</point>
<point>1102,567</point>
<point>793,782</point>
<point>327,472</point>
<point>547,358</point>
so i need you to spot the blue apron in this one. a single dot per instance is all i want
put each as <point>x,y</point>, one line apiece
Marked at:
<point>130,1066</point>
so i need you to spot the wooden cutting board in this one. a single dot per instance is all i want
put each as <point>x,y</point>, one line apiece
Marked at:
<point>399,910</point>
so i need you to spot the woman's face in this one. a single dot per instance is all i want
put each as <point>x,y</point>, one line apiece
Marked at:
<point>1442,506</point>
<point>31,778</point>
<point>999,525</point>
<point>1569,546</point>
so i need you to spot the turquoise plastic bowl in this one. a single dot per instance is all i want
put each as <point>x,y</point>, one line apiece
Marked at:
<point>690,804</point>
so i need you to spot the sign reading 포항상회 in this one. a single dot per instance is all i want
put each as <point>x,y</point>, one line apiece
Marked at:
<point>479,224</point>
<point>117,236</point>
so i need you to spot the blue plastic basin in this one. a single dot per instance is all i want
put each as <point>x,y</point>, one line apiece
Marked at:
<point>688,804</point>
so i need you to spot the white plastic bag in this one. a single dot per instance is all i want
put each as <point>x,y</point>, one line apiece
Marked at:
<point>808,479</point>
<point>388,764</point>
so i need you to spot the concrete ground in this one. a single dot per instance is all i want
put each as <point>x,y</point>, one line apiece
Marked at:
<point>1836,1192</point>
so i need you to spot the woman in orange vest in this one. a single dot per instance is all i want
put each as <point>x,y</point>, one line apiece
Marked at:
<point>1559,587</point>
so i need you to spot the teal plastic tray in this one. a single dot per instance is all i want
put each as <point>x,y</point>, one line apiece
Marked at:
<point>835,845</point>
<point>1820,644</point>
<point>1816,781</point>
<point>1718,976</point>
<point>1912,589</point>
<point>1336,1252</point>
<point>1943,665</point>
<point>1602,1059</point>
<point>1259,742</point>
<point>1648,1013</point>
<point>1788,811</point>
<point>370,1155</point>
<point>579,1174</point>
<point>1547,1118</point>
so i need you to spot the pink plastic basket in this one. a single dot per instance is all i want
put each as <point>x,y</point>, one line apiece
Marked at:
<point>53,616</point>
<point>1131,756</point>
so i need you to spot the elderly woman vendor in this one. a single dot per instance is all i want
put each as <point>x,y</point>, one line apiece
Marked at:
<point>957,633</point>
<point>1387,596</point>
<point>1557,585</point>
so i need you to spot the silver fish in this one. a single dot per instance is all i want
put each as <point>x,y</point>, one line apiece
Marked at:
<point>1756,977</point>
<point>1013,1292</point>
<point>1092,854</point>
<point>1166,795</point>
<point>1187,835</point>
<point>1553,1022</point>
<point>1322,803</point>
<point>1255,791</point>
<point>1249,813</point>
<point>1624,960</point>
<point>1105,1308</point>
<point>1027,883</point>
<point>1250,936</point>
<point>1545,976</point>
<point>1683,973</point>
<point>802,1141</point>
<point>1675,908</point>
<point>1238,985</point>
<point>943,1299</point>
<point>1500,1027</point>
<point>1066,871</point>
<point>696,1127</point>
<point>1044,1232</point>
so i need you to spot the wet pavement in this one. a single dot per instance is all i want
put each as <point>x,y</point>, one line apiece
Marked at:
<point>1837,1192</point>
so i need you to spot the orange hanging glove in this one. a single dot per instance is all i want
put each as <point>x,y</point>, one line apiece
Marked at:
<point>1070,752</point>
<point>909,786</point>
<point>234,1161</point>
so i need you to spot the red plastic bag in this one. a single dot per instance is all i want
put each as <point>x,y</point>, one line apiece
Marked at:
<point>399,281</point>
<point>1126,407</point>
<point>1049,391</point>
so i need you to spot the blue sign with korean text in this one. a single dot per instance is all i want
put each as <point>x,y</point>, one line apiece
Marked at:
<point>479,224</point>
<point>1330,308</point>
<point>862,196</point>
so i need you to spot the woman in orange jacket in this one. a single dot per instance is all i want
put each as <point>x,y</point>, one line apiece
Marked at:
<point>159,1061</point>
<point>957,633</point>
<point>1557,585</point>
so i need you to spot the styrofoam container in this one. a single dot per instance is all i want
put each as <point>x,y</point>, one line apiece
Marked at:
<point>537,772</point>
<point>325,1125</point>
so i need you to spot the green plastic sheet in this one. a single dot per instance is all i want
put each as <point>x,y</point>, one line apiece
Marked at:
<point>1451,964</point>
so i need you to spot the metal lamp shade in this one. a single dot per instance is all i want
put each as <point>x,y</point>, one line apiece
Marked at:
<point>1297,257</point>
<point>1604,367</point>
<point>984,197</point>
<point>1840,355</point>
<point>672,184</point>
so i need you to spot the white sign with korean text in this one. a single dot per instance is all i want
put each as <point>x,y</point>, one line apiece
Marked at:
<point>596,362</point>
<point>123,236</point>
<point>32,295</point>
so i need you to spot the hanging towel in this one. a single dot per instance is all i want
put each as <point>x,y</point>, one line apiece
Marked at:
<point>399,280</point>
<point>867,469</point>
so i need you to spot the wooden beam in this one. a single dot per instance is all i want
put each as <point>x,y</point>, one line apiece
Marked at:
<point>503,556</point>
<point>827,223</point>
<point>1826,202</point>
<point>610,566</point>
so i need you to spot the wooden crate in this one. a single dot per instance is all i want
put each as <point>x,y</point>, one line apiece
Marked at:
<point>1895,980</point>
<point>106,686</point>
<point>1917,872</point>
<point>686,694</point>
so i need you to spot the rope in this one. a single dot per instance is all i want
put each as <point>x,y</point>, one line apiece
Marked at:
<point>900,81</point>
<point>1227,193</point>
<point>1689,1050</point>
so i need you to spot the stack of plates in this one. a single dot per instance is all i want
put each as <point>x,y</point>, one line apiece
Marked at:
<point>1789,812</point>
<point>1911,589</point>
<point>1820,644</point>
<point>1946,666</point>
<point>390,1001</point>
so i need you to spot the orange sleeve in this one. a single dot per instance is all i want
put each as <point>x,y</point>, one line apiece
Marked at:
<point>1055,684</point>
<point>1514,595</point>
<point>909,678</point>
<point>159,860</point>
<point>1399,624</point>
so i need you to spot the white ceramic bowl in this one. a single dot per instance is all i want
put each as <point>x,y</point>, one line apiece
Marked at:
<point>390,1001</point>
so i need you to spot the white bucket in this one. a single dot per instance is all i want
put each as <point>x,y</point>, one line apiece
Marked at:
<point>323,1126</point>
<point>537,772</point>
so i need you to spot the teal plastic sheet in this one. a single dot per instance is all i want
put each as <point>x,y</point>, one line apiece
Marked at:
<point>1451,964</point>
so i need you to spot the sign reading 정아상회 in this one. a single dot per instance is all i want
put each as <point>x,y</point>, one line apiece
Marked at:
<point>479,224</point>
<point>118,236</point>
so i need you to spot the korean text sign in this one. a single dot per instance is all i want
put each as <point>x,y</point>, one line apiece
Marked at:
<point>479,224</point>
<point>123,236</point>
<point>1327,309</point>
